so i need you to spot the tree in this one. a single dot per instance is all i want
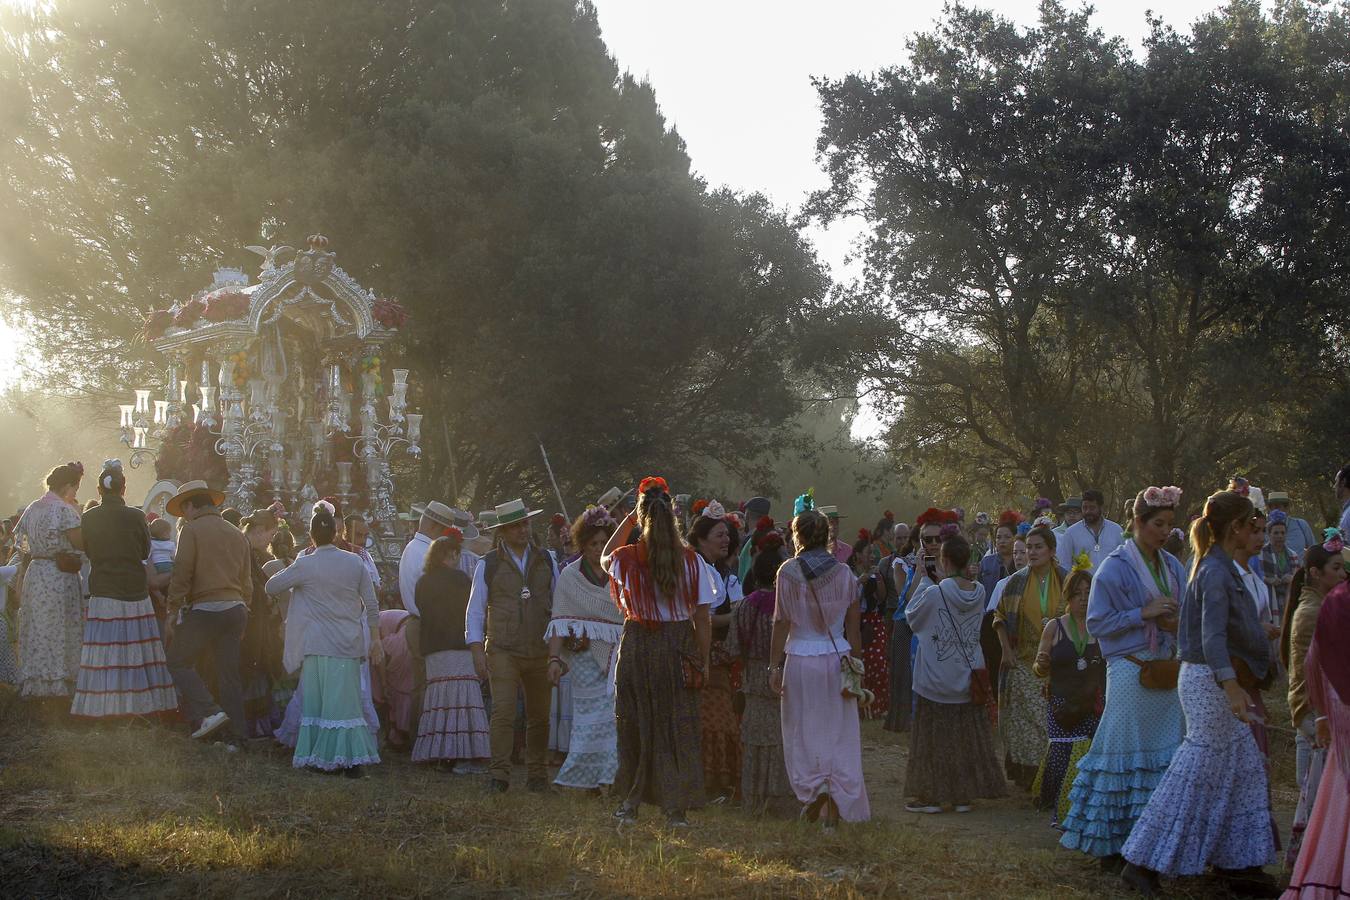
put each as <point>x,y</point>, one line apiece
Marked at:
<point>1086,270</point>
<point>485,162</point>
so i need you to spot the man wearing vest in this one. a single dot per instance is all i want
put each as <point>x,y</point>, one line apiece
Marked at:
<point>509,609</point>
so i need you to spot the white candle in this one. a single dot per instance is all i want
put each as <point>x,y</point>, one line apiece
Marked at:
<point>126,409</point>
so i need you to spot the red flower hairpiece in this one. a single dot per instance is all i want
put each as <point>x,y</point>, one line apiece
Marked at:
<point>559,520</point>
<point>698,507</point>
<point>765,523</point>
<point>653,482</point>
<point>454,534</point>
<point>864,535</point>
<point>934,516</point>
<point>1011,518</point>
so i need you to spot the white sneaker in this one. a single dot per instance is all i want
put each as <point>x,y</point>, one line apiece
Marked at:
<point>963,807</point>
<point>917,807</point>
<point>210,724</point>
<point>469,768</point>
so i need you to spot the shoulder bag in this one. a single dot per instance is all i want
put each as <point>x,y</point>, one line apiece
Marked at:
<point>850,669</point>
<point>981,687</point>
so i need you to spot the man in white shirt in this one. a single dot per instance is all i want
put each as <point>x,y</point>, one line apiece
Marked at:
<point>509,610</point>
<point>1095,535</point>
<point>356,532</point>
<point>436,517</point>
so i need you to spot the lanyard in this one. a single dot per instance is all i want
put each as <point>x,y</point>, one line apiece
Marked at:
<point>1079,641</point>
<point>1157,577</point>
<point>1045,597</point>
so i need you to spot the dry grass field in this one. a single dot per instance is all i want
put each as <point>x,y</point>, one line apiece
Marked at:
<point>138,810</point>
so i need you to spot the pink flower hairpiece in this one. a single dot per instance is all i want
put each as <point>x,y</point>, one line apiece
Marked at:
<point>1333,542</point>
<point>1042,503</point>
<point>714,510</point>
<point>598,517</point>
<point>1161,497</point>
<point>1044,522</point>
<point>1240,485</point>
<point>950,530</point>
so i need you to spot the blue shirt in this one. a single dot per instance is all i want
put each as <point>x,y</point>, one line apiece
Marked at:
<point>1219,620</point>
<point>1345,521</point>
<point>1116,602</point>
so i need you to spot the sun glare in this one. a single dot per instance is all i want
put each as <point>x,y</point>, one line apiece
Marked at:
<point>13,344</point>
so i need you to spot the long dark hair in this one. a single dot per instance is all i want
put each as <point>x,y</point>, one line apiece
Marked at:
<point>1222,509</point>
<point>1316,557</point>
<point>699,531</point>
<point>661,536</point>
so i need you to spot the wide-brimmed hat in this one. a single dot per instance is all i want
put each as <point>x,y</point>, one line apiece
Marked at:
<point>1278,497</point>
<point>513,511</point>
<point>829,512</point>
<point>609,498</point>
<point>191,489</point>
<point>487,518</point>
<point>1071,503</point>
<point>437,512</point>
<point>464,522</point>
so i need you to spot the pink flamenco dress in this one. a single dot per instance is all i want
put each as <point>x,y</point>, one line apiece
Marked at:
<point>1322,871</point>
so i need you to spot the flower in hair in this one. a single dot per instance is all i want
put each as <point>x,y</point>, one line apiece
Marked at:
<point>864,535</point>
<point>1023,529</point>
<point>765,523</point>
<point>1041,503</point>
<point>598,517</point>
<point>735,519</point>
<point>111,468</point>
<point>1082,562</point>
<point>1044,522</point>
<point>324,505</point>
<point>934,516</point>
<point>454,534</point>
<point>558,520</point>
<point>888,516</point>
<point>1010,518</point>
<point>1333,542</point>
<point>1277,517</point>
<point>653,482</point>
<point>698,507</point>
<point>960,512</point>
<point>949,530</point>
<point>1240,485</point>
<point>277,509</point>
<point>805,503</point>
<point>1163,497</point>
<point>711,510</point>
<point>982,518</point>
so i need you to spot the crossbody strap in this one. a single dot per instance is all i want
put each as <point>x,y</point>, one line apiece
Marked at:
<point>956,629</point>
<point>824,624</point>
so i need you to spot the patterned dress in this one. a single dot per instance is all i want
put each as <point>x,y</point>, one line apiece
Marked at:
<point>51,606</point>
<point>1077,689</point>
<point>764,780</point>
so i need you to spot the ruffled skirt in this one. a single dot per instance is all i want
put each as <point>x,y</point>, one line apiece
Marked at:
<point>454,722</point>
<point>1323,868</point>
<point>1212,806</point>
<point>593,751</point>
<point>333,733</point>
<point>1139,731</point>
<point>123,671</point>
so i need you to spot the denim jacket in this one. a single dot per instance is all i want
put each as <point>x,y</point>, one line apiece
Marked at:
<point>1219,621</point>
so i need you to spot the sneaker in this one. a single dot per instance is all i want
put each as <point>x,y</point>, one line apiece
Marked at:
<point>918,806</point>
<point>963,807</point>
<point>210,724</point>
<point>228,748</point>
<point>498,786</point>
<point>626,814</point>
<point>464,767</point>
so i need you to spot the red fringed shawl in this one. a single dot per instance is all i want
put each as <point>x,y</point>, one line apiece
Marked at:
<point>635,591</point>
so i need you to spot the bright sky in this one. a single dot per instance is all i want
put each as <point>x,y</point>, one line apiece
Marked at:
<point>734,76</point>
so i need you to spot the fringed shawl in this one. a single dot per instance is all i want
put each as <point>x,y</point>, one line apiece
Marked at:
<point>633,588</point>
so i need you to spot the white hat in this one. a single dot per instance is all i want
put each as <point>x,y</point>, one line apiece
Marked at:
<point>513,511</point>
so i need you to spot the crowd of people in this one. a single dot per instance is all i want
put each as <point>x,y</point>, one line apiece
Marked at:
<point>678,654</point>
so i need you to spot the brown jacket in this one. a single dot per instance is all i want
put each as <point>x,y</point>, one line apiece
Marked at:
<point>213,563</point>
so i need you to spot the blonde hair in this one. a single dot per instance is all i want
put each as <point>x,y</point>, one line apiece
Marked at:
<point>259,520</point>
<point>810,530</point>
<point>1222,509</point>
<point>161,530</point>
<point>665,547</point>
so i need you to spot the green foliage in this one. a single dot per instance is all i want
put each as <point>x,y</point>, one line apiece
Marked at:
<point>1087,270</point>
<point>485,162</point>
